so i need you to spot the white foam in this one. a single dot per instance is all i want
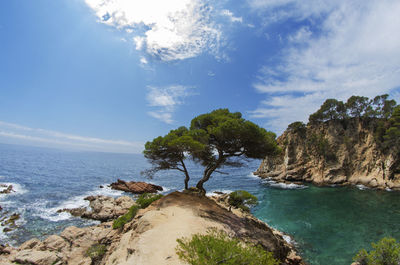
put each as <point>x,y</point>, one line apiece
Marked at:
<point>388,189</point>
<point>361,187</point>
<point>213,193</point>
<point>288,239</point>
<point>16,190</point>
<point>251,175</point>
<point>284,186</point>
<point>51,214</point>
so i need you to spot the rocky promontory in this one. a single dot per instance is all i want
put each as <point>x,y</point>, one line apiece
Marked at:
<point>150,238</point>
<point>339,152</point>
<point>135,187</point>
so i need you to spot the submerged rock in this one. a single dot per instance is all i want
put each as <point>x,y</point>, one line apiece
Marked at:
<point>135,187</point>
<point>102,208</point>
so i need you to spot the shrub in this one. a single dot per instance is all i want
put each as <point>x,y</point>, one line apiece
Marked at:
<point>142,202</point>
<point>146,199</point>
<point>123,219</point>
<point>242,199</point>
<point>96,252</point>
<point>385,252</point>
<point>216,247</point>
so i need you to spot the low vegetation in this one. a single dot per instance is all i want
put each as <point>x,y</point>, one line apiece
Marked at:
<point>142,202</point>
<point>242,199</point>
<point>385,252</point>
<point>96,252</point>
<point>216,247</point>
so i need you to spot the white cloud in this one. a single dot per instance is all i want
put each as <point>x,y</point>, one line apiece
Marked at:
<point>165,100</point>
<point>231,16</point>
<point>42,137</point>
<point>168,30</point>
<point>357,52</point>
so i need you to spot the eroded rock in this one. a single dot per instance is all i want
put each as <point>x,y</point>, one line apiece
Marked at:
<point>135,187</point>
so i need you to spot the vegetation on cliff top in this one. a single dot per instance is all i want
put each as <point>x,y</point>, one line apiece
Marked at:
<point>242,199</point>
<point>214,140</point>
<point>217,247</point>
<point>382,114</point>
<point>142,202</point>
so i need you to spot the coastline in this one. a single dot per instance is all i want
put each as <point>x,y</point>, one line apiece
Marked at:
<point>157,227</point>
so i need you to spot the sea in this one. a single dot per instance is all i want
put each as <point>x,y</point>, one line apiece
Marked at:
<point>328,225</point>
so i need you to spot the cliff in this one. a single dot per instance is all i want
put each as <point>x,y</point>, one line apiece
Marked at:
<point>150,238</point>
<point>334,152</point>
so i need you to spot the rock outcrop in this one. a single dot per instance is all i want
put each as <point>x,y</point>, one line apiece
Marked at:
<point>150,238</point>
<point>102,208</point>
<point>334,152</point>
<point>5,189</point>
<point>135,187</point>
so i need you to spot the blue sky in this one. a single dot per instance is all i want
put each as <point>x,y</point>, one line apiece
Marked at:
<point>109,75</point>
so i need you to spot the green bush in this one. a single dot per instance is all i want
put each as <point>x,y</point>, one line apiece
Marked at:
<point>96,251</point>
<point>142,202</point>
<point>242,199</point>
<point>385,252</point>
<point>123,219</point>
<point>146,199</point>
<point>217,247</point>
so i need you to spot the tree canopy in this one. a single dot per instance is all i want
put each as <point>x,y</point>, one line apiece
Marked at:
<point>355,107</point>
<point>213,140</point>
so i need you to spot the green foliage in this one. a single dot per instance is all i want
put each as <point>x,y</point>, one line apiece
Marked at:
<point>217,248</point>
<point>297,127</point>
<point>392,134</point>
<point>96,251</point>
<point>320,145</point>
<point>146,199</point>
<point>242,199</point>
<point>331,109</point>
<point>358,106</point>
<point>355,107</point>
<point>126,218</point>
<point>385,252</point>
<point>142,202</point>
<point>214,140</point>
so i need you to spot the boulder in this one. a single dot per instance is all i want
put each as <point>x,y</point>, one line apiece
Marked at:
<point>103,208</point>
<point>36,257</point>
<point>135,187</point>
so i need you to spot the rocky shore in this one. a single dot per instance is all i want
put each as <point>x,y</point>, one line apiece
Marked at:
<point>334,153</point>
<point>150,238</point>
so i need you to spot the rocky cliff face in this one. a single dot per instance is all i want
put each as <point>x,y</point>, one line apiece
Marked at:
<point>334,152</point>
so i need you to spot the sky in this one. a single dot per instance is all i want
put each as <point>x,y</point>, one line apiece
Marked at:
<point>109,75</point>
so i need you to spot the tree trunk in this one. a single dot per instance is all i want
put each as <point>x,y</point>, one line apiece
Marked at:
<point>187,178</point>
<point>207,173</point>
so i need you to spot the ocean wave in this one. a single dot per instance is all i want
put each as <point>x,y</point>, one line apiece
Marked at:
<point>284,186</point>
<point>78,201</point>
<point>17,189</point>
<point>215,192</point>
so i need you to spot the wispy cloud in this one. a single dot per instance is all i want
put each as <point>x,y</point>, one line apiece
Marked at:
<point>227,13</point>
<point>354,51</point>
<point>167,30</point>
<point>34,136</point>
<point>165,100</point>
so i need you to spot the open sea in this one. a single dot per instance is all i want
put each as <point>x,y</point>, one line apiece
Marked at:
<point>328,225</point>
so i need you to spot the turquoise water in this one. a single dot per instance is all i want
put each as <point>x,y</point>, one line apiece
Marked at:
<point>329,225</point>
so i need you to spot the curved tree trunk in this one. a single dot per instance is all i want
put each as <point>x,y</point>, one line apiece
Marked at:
<point>187,178</point>
<point>207,173</point>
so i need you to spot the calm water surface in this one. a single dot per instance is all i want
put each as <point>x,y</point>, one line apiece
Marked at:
<point>328,225</point>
